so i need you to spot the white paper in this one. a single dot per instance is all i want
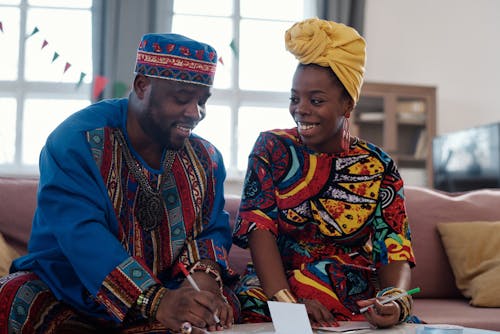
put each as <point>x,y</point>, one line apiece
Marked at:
<point>346,326</point>
<point>289,318</point>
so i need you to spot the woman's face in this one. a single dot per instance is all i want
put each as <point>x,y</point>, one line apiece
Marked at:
<point>318,106</point>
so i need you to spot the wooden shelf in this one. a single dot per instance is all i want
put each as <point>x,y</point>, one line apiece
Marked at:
<point>401,119</point>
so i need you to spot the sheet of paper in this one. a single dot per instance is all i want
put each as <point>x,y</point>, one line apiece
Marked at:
<point>289,318</point>
<point>346,326</point>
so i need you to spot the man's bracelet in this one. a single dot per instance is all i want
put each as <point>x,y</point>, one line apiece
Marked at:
<point>210,270</point>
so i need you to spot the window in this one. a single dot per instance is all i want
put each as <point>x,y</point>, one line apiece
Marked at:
<point>46,74</point>
<point>254,73</point>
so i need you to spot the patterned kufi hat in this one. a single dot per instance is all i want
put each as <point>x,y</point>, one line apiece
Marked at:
<point>330,44</point>
<point>176,57</point>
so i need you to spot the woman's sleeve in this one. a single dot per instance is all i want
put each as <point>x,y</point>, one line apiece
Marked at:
<point>258,209</point>
<point>392,236</point>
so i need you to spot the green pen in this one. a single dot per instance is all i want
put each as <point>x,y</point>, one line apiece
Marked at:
<point>392,298</point>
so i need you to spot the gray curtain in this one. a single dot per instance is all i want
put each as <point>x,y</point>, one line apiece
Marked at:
<point>117,29</point>
<point>349,12</point>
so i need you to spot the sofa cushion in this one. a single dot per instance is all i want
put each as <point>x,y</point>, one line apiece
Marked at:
<point>473,249</point>
<point>7,255</point>
<point>426,208</point>
<point>17,206</point>
<point>456,312</point>
<point>238,257</point>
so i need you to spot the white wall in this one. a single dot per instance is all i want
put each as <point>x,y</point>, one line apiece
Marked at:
<point>451,44</point>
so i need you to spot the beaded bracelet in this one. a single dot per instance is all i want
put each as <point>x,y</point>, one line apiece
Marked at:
<point>285,296</point>
<point>149,301</point>
<point>405,303</point>
<point>210,270</point>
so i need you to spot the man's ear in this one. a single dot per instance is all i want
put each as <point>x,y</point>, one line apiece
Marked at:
<point>141,85</point>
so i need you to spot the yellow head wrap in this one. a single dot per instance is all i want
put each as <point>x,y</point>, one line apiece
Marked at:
<point>330,44</point>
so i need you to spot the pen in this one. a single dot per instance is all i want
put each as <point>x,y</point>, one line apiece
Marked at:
<point>392,298</point>
<point>195,286</point>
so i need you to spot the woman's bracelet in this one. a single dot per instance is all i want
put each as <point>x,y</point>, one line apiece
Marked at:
<point>405,303</point>
<point>285,296</point>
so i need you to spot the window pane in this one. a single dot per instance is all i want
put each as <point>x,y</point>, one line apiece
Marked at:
<point>216,32</point>
<point>40,118</point>
<point>7,130</point>
<point>10,2</point>
<point>204,7</point>
<point>265,65</point>
<point>9,41</point>
<point>74,48</point>
<point>216,128</point>
<point>256,120</point>
<point>62,3</point>
<point>290,10</point>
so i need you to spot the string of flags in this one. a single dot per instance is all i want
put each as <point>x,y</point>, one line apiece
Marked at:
<point>99,82</point>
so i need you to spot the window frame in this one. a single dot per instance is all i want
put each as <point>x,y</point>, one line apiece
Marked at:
<point>21,90</point>
<point>235,97</point>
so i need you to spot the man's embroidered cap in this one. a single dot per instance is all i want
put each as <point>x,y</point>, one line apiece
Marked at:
<point>176,57</point>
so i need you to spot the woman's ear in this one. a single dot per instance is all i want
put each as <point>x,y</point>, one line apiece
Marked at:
<point>348,107</point>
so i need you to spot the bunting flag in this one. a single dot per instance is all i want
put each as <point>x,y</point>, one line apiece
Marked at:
<point>35,30</point>
<point>55,56</point>
<point>44,44</point>
<point>100,83</point>
<point>120,89</point>
<point>233,47</point>
<point>221,61</point>
<point>82,76</point>
<point>1,26</point>
<point>66,67</point>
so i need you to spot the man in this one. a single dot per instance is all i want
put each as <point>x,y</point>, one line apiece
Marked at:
<point>127,193</point>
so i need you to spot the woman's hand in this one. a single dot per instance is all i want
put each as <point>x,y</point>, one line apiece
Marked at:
<point>381,315</point>
<point>319,314</point>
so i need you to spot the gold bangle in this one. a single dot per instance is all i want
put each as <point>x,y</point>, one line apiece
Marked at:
<point>285,296</point>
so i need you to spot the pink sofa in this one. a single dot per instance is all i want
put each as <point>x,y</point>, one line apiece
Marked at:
<point>438,302</point>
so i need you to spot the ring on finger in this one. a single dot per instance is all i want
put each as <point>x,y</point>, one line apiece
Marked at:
<point>186,328</point>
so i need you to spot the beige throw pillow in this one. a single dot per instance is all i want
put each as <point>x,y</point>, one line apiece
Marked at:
<point>7,254</point>
<point>473,249</point>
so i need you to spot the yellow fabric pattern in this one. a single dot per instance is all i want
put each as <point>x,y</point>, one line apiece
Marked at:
<point>330,44</point>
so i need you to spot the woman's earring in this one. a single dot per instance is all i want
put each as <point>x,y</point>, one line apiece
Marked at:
<point>346,136</point>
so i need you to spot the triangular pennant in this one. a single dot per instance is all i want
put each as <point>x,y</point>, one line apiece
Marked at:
<point>82,76</point>
<point>56,55</point>
<point>44,44</point>
<point>221,61</point>
<point>119,89</point>
<point>100,83</point>
<point>66,67</point>
<point>234,48</point>
<point>35,30</point>
<point>1,26</point>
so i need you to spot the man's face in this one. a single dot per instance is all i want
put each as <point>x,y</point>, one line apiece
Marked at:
<point>172,111</point>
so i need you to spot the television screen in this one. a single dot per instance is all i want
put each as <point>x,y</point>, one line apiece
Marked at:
<point>467,159</point>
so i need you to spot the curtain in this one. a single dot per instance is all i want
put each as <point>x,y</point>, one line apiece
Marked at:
<point>117,28</point>
<point>349,12</point>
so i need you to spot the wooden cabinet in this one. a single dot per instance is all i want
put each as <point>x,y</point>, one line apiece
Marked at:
<point>401,119</point>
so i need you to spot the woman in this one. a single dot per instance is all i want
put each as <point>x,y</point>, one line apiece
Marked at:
<point>323,212</point>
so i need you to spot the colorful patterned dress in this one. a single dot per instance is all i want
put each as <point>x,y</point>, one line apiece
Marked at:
<point>336,218</point>
<point>89,257</point>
